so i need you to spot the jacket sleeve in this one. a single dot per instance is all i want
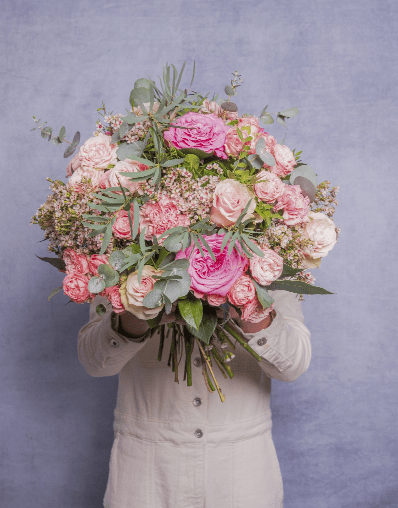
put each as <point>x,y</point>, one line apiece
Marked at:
<point>102,351</point>
<point>285,345</point>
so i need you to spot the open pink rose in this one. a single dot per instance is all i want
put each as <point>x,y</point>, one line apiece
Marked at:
<point>110,178</point>
<point>284,159</point>
<point>229,200</point>
<point>76,287</point>
<point>113,295</point>
<point>214,277</point>
<point>161,216</point>
<point>75,263</point>
<point>249,126</point>
<point>216,300</point>
<point>294,204</point>
<point>322,231</point>
<point>132,293</point>
<point>96,260</point>
<point>98,152</point>
<point>267,268</point>
<point>73,165</point>
<point>208,134</point>
<point>121,228</point>
<point>270,187</point>
<point>254,312</point>
<point>82,179</point>
<point>242,292</point>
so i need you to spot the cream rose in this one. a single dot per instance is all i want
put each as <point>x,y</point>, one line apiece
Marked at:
<point>132,293</point>
<point>322,231</point>
<point>112,177</point>
<point>98,152</point>
<point>230,199</point>
<point>269,188</point>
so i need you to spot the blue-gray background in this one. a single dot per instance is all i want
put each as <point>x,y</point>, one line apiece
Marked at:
<point>334,428</point>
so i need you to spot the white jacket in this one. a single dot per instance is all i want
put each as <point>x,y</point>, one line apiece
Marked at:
<point>170,452</point>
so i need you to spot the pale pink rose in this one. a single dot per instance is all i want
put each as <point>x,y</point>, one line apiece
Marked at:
<point>98,153</point>
<point>214,277</point>
<point>95,260</point>
<point>113,295</point>
<point>132,293</point>
<point>229,200</point>
<point>270,141</point>
<point>110,178</point>
<point>216,300</point>
<point>270,188</point>
<point>208,134</point>
<point>75,263</point>
<point>242,292</point>
<point>121,228</point>
<point>82,179</point>
<point>266,269</point>
<point>255,130</point>
<point>73,165</point>
<point>322,231</point>
<point>161,216</point>
<point>294,204</point>
<point>284,159</point>
<point>254,312</point>
<point>233,143</point>
<point>76,287</point>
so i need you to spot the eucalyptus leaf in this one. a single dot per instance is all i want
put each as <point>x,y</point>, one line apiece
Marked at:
<point>96,285</point>
<point>61,134</point>
<point>111,276</point>
<point>263,153</point>
<point>70,149</point>
<point>289,113</point>
<point>179,264</point>
<point>173,162</point>
<point>229,90</point>
<point>123,130</point>
<point>166,260</point>
<point>115,137</point>
<point>117,259</point>
<point>191,311</point>
<point>173,243</point>
<point>76,138</point>
<point>255,161</point>
<point>267,119</point>
<point>229,106</point>
<point>106,239</point>
<point>153,299</point>
<point>55,141</point>
<point>143,83</point>
<point>304,171</point>
<point>280,119</point>
<point>307,187</point>
<point>225,240</point>
<point>140,94</point>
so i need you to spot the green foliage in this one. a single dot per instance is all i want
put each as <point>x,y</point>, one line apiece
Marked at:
<point>108,274</point>
<point>100,309</point>
<point>54,292</point>
<point>58,263</point>
<point>301,288</point>
<point>96,285</point>
<point>192,311</point>
<point>262,294</point>
<point>206,327</point>
<point>304,171</point>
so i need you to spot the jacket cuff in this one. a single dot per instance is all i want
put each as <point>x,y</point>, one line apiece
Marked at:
<point>268,343</point>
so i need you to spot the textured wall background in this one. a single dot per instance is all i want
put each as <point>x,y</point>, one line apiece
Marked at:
<point>335,428</point>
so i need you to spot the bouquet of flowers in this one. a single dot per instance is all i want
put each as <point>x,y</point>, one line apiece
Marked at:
<point>182,205</point>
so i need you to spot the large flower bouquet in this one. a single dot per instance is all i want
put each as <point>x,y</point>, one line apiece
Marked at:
<point>181,205</point>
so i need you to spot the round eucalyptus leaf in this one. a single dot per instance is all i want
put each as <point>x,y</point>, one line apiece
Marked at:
<point>126,150</point>
<point>229,90</point>
<point>307,187</point>
<point>143,83</point>
<point>306,172</point>
<point>96,285</point>
<point>117,259</point>
<point>140,93</point>
<point>267,119</point>
<point>229,106</point>
<point>111,277</point>
<point>153,299</point>
<point>100,309</point>
<point>263,153</point>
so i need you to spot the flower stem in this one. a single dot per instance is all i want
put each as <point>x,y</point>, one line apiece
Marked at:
<point>218,357</point>
<point>222,397</point>
<point>219,364</point>
<point>224,337</point>
<point>188,348</point>
<point>241,341</point>
<point>161,342</point>
<point>209,384</point>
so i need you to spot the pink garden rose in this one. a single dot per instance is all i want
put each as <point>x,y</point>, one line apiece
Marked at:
<point>322,231</point>
<point>213,107</point>
<point>270,141</point>
<point>266,269</point>
<point>161,216</point>
<point>75,263</point>
<point>208,134</point>
<point>294,204</point>
<point>284,159</point>
<point>233,143</point>
<point>95,260</point>
<point>76,287</point>
<point>98,152</point>
<point>132,293</point>
<point>73,165</point>
<point>270,188</point>
<point>254,312</point>
<point>82,179</point>
<point>216,300</point>
<point>121,227</point>
<point>113,295</point>
<point>249,126</point>
<point>214,277</point>
<point>242,292</point>
<point>229,200</point>
<point>110,178</point>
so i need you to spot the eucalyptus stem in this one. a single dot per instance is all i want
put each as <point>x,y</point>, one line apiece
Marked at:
<point>207,360</point>
<point>241,341</point>
<point>161,342</point>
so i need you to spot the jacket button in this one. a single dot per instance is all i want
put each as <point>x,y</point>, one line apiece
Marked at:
<point>198,433</point>
<point>197,401</point>
<point>197,362</point>
<point>113,342</point>
<point>261,342</point>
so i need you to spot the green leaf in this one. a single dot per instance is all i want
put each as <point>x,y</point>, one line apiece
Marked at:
<point>288,271</point>
<point>242,215</point>
<point>106,239</point>
<point>153,323</point>
<point>55,141</point>
<point>139,159</point>
<point>136,217</point>
<point>263,153</point>
<point>289,113</point>
<point>179,264</point>
<point>252,246</point>
<point>304,171</point>
<point>139,94</point>
<point>177,229</point>
<point>191,311</point>
<point>115,137</point>
<point>95,217</point>
<point>255,161</point>
<point>54,292</point>
<point>232,242</point>
<point>195,151</point>
<point>262,294</point>
<point>198,245</point>
<point>76,138</point>
<point>281,120</point>
<point>123,130</point>
<point>229,90</point>
<point>225,240</point>
<point>206,327</point>
<point>267,119</point>
<point>96,285</point>
<point>61,134</point>
<point>143,83</point>
<point>131,118</point>
<point>173,162</point>
<point>153,299</point>
<point>186,240</point>
<point>100,309</point>
<point>131,260</point>
<point>173,243</point>
<point>70,149</point>
<point>295,286</point>
<point>102,208</point>
<point>207,247</point>
<point>58,263</point>
<point>129,150</point>
<point>94,226</point>
<point>111,276</point>
<point>46,132</point>
<point>117,259</point>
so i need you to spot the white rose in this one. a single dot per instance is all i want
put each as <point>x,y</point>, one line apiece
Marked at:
<point>97,153</point>
<point>322,231</point>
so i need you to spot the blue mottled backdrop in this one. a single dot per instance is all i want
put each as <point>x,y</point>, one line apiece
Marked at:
<point>335,429</point>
